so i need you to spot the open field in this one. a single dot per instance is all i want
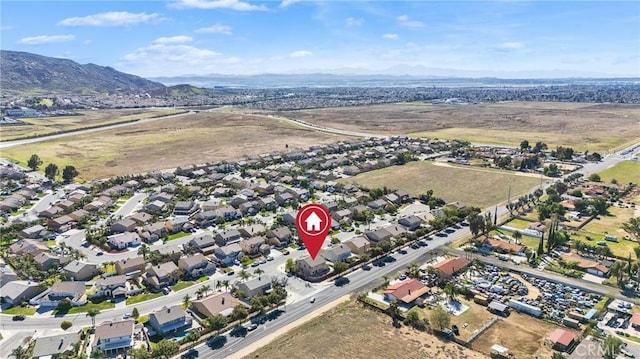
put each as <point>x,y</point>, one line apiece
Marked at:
<point>522,334</point>
<point>593,127</point>
<point>623,172</point>
<point>475,317</point>
<point>351,331</point>
<point>453,183</point>
<point>87,118</point>
<point>169,143</point>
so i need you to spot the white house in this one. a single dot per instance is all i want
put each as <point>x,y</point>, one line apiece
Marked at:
<point>124,240</point>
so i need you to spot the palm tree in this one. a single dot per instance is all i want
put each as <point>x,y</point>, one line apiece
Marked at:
<point>517,236</point>
<point>218,284</point>
<point>244,275</point>
<point>19,353</point>
<point>206,289</point>
<point>225,284</point>
<point>258,272</point>
<point>144,250</point>
<point>92,313</point>
<point>450,291</point>
<point>200,292</point>
<point>186,301</point>
<point>394,310</point>
<point>413,271</point>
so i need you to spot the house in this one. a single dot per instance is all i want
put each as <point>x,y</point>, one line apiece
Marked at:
<point>227,213</point>
<point>78,215</point>
<point>141,218</point>
<point>155,206</point>
<point>6,274</point>
<point>153,232</point>
<point>71,290</point>
<point>54,346</point>
<point>600,269</point>
<point>377,236</point>
<point>19,291</point>
<point>45,261</point>
<point>254,287</point>
<point>196,265</point>
<point>111,286</point>
<point>310,269</point>
<point>284,198</point>
<point>124,225</point>
<point>114,337</point>
<point>279,237</point>
<point>410,222</point>
<point>337,253</point>
<point>185,208</point>
<point>498,308</point>
<point>228,254</point>
<point>206,218</point>
<point>251,246</point>
<point>33,232</point>
<point>205,244</point>
<point>505,247</point>
<point>342,215</point>
<point>131,267</point>
<point>77,270</point>
<point>406,291</point>
<point>28,246</point>
<point>358,245</point>
<point>562,340</point>
<point>377,204</point>
<point>448,267</point>
<point>169,252</point>
<point>60,224</point>
<point>162,275</point>
<point>228,237</point>
<point>124,240</point>
<point>50,212</point>
<point>635,321</point>
<point>217,303</point>
<point>538,227</point>
<point>267,203</point>
<point>169,319</point>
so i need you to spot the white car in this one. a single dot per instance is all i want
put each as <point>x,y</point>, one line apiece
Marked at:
<point>313,300</point>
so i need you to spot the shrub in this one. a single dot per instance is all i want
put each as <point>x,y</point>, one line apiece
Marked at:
<point>66,325</point>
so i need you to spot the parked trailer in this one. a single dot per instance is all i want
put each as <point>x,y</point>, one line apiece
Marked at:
<point>525,308</point>
<point>571,323</point>
<point>480,299</point>
<point>577,316</point>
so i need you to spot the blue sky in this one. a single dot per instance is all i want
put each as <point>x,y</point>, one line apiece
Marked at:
<point>168,38</point>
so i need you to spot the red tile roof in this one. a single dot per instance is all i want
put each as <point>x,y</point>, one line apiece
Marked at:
<point>635,319</point>
<point>562,337</point>
<point>452,265</point>
<point>407,291</point>
<point>495,243</point>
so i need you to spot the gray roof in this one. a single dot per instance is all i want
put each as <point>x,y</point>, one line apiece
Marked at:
<point>204,241</point>
<point>76,266</point>
<point>162,270</point>
<point>113,280</point>
<point>14,289</point>
<point>166,315</point>
<point>110,330</point>
<point>66,287</point>
<point>256,283</point>
<point>497,306</point>
<point>191,261</point>
<point>56,344</point>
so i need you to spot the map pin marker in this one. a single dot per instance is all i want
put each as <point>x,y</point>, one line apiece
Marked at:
<point>313,223</point>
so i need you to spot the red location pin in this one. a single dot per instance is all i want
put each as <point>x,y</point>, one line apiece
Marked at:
<point>313,222</point>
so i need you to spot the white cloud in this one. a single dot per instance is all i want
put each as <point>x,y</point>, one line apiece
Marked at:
<point>113,18</point>
<point>217,4</point>
<point>286,3</point>
<point>350,21</point>
<point>216,29</point>
<point>173,39</point>
<point>87,42</point>
<point>300,53</point>
<point>405,21</point>
<point>511,45</point>
<point>46,39</point>
<point>390,36</point>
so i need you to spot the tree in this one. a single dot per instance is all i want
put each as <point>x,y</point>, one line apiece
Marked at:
<point>476,224</point>
<point>192,336</point>
<point>239,313</point>
<point>19,352</point>
<point>138,353</point>
<point>540,250</point>
<point>206,289</point>
<point>225,284</point>
<point>450,290</point>
<point>594,177</point>
<point>440,317</point>
<point>413,271</point>
<point>186,301</point>
<point>258,272</point>
<point>524,146</point>
<point>394,311</point>
<point>64,305</point>
<point>339,267</point>
<point>218,322</point>
<point>144,251</point>
<point>632,226</point>
<point>135,313</point>
<point>66,325</point>
<point>244,275</point>
<point>290,266</point>
<point>97,353</point>
<point>92,313</point>
<point>51,171</point>
<point>69,173</point>
<point>34,162</point>
<point>165,349</point>
<point>611,347</point>
<point>517,236</point>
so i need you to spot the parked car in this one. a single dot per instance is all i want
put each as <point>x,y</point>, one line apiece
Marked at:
<point>252,326</point>
<point>192,353</point>
<point>313,300</point>
<point>340,281</point>
<point>19,317</point>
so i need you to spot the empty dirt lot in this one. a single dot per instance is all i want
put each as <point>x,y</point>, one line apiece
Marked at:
<point>170,143</point>
<point>596,127</point>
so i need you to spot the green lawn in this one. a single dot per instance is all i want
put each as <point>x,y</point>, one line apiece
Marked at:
<point>85,308</point>
<point>623,172</point>
<point>177,235</point>
<point>247,261</point>
<point>528,241</point>
<point>20,310</point>
<point>142,297</point>
<point>51,242</point>
<point>109,267</point>
<point>143,319</point>
<point>182,285</point>
<point>518,223</point>
<point>202,279</point>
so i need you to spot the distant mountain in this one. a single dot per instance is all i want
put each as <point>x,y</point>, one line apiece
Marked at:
<point>23,72</point>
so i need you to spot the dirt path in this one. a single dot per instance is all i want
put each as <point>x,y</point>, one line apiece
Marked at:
<point>269,338</point>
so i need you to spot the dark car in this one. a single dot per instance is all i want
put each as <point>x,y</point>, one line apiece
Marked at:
<point>100,254</point>
<point>340,281</point>
<point>192,353</point>
<point>402,251</point>
<point>231,273</point>
<point>217,342</point>
<point>19,317</point>
<point>366,267</point>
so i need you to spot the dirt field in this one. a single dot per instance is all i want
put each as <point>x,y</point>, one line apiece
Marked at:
<point>623,172</point>
<point>474,317</point>
<point>88,118</point>
<point>350,331</point>
<point>169,143</point>
<point>596,127</point>
<point>522,334</point>
<point>453,183</point>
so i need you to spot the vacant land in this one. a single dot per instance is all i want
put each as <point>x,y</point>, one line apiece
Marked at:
<point>87,118</point>
<point>474,317</point>
<point>170,143</point>
<point>474,186</point>
<point>522,334</point>
<point>623,172</point>
<point>350,331</point>
<point>600,127</point>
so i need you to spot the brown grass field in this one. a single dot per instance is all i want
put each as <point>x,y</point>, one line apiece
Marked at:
<point>86,118</point>
<point>351,331</point>
<point>169,143</point>
<point>453,183</point>
<point>593,127</point>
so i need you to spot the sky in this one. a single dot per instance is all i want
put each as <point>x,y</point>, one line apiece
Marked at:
<point>185,37</point>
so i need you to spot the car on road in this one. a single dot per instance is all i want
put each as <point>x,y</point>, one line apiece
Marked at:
<point>126,316</point>
<point>366,267</point>
<point>262,261</point>
<point>252,326</point>
<point>86,244</point>
<point>255,264</point>
<point>415,246</point>
<point>192,353</point>
<point>166,290</point>
<point>19,317</point>
<point>285,252</point>
<point>402,251</point>
<point>340,281</point>
<point>313,300</point>
<point>100,254</point>
<point>230,273</point>
<point>270,258</point>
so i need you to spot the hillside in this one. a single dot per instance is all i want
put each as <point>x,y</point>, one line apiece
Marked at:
<point>23,72</point>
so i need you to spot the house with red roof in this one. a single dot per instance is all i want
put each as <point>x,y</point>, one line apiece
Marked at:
<point>562,340</point>
<point>635,321</point>
<point>406,291</point>
<point>448,267</point>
